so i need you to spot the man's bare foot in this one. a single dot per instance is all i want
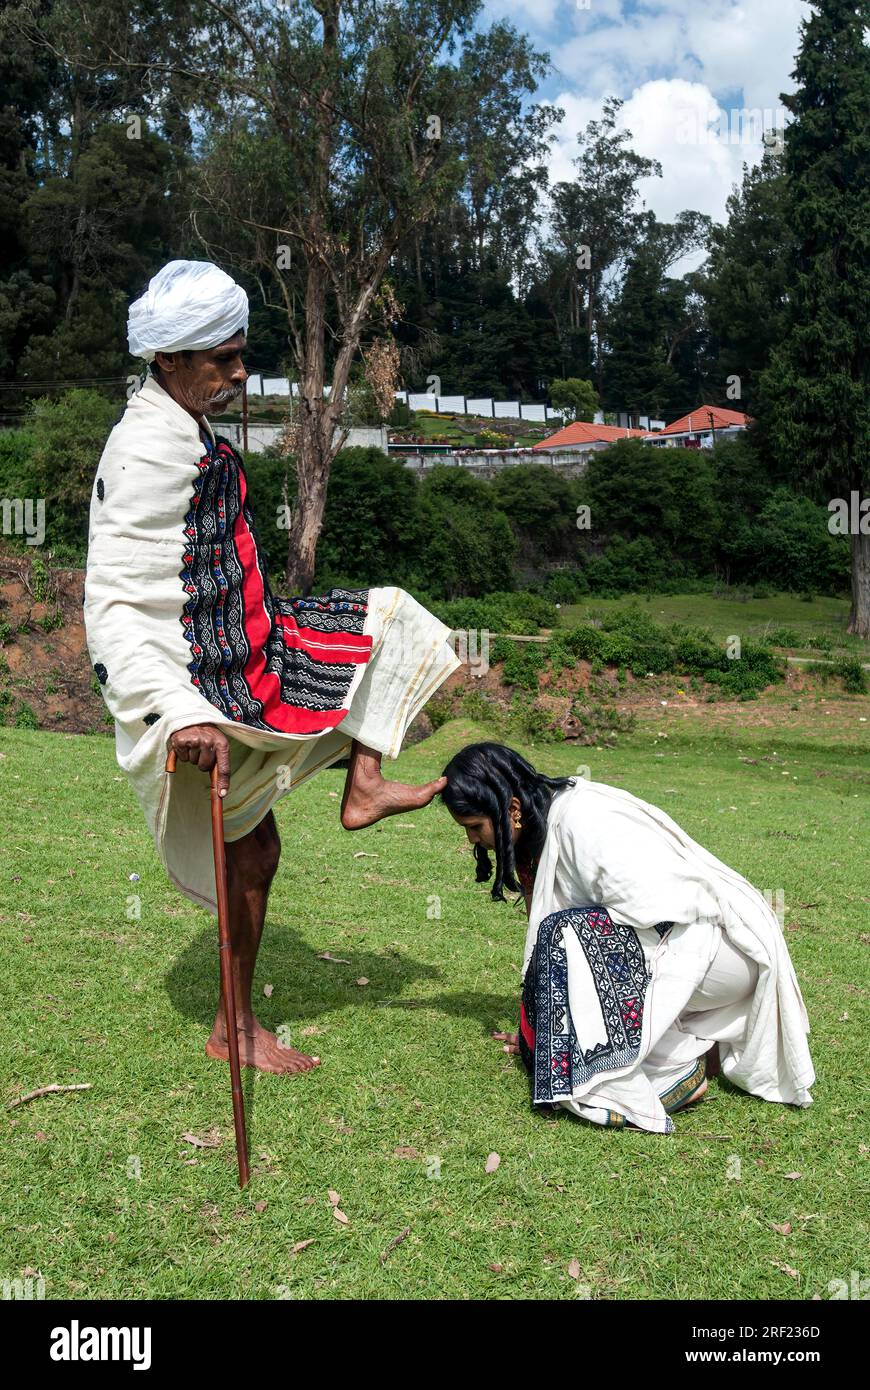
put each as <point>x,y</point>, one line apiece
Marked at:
<point>372,798</point>
<point>261,1049</point>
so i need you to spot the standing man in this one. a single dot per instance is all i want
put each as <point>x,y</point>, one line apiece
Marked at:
<point>194,651</point>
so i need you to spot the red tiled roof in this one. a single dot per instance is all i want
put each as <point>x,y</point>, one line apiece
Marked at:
<point>583,433</point>
<point>698,420</point>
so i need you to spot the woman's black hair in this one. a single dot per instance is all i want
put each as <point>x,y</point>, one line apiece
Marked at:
<point>481,780</point>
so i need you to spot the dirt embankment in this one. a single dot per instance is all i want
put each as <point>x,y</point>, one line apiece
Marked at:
<point>47,681</point>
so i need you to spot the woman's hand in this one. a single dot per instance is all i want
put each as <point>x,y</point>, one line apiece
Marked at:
<point>511,1041</point>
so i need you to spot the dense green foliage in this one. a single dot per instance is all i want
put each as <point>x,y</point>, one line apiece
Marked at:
<point>663,520</point>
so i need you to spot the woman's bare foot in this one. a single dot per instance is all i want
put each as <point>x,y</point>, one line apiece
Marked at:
<point>261,1049</point>
<point>697,1094</point>
<point>511,1041</point>
<point>369,799</point>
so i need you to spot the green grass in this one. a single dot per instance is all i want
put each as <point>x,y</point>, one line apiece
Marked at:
<point>461,436</point>
<point>824,618</point>
<point>407,1061</point>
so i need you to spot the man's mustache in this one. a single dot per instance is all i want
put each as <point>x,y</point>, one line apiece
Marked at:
<point>230,393</point>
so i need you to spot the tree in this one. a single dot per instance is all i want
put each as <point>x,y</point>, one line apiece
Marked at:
<point>814,405</point>
<point>335,132</point>
<point>596,223</point>
<point>538,502</point>
<point>655,324</point>
<point>667,495</point>
<point>330,133</point>
<point>746,280</point>
<point>94,179</point>
<point>638,377</point>
<point>578,400</point>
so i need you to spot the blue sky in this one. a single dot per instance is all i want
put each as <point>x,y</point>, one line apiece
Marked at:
<point>682,66</point>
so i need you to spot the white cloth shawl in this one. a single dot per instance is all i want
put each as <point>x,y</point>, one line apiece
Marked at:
<point>605,846</point>
<point>133,602</point>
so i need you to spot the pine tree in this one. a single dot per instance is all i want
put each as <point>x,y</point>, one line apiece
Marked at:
<point>814,398</point>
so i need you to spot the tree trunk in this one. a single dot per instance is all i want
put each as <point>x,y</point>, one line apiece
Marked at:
<point>313,462</point>
<point>859,618</point>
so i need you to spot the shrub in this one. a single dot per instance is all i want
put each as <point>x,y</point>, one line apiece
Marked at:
<point>794,548</point>
<point>523,614</point>
<point>602,723</point>
<point>782,637</point>
<point>17,477</point>
<point>853,674</point>
<point>69,435</point>
<point>26,718</point>
<point>523,664</point>
<point>565,586</point>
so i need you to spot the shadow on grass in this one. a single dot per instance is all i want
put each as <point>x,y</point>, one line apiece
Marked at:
<point>304,985</point>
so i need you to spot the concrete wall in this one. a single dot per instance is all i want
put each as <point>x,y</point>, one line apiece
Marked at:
<point>261,436</point>
<point>571,463</point>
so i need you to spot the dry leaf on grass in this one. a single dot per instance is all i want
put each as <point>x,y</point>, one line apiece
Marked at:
<point>786,1269</point>
<point>336,960</point>
<point>793,1177</point>
<point>492,1162</point>
<point>362,980</point>
<point>574,1269</point>
<point>340,1216</point>
<point>784,1229</point>
<point>333,1197</point>
<point>268,990</point>
<point>365,854</point>
<point>301,1245</point>
<point>260,1207</point>
<point>210,1140</point>
<point>406,1151</point>
<point>496,1269</point>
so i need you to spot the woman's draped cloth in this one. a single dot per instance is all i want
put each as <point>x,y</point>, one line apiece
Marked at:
<point>624,980</point>
<point>183,628</point>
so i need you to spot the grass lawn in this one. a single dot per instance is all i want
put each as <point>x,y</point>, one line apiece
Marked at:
<point>463,435</point>
<point>822,619</point>
<point>104,1198</point>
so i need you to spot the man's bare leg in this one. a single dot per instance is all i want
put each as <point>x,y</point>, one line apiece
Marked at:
<point>251,865</point>
<point>368,797</point>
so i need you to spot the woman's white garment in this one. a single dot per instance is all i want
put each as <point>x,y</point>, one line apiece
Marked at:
<point>133,602</point>
<point>722,974</point>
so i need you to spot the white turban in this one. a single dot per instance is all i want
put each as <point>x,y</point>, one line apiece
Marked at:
<point>187,305</point>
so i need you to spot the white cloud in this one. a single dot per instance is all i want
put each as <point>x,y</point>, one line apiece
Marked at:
<point>673,64</point>
<point>668,120</point>
<point>726,44</point>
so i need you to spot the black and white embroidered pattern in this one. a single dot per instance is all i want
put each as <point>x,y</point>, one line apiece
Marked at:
<point>618,966</point>
<point>216,624</point>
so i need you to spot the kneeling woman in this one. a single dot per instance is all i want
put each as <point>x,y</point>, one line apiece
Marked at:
<point>645,955</point>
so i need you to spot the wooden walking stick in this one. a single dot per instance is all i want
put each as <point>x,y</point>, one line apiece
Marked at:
<point>228,989</point>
